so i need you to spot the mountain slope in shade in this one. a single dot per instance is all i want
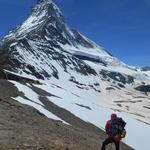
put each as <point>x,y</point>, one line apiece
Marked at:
<point>82,76</point>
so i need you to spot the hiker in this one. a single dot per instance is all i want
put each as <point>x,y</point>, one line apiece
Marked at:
<point>115,131</point>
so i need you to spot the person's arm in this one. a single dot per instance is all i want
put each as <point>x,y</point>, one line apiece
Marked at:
<point>107,127</point>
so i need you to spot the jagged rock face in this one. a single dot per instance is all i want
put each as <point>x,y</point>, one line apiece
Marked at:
<point>40,59</point>
<point>143,88</point>
<point>116,76</point>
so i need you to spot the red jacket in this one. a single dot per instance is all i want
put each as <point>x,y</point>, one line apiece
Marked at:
<point>108,123</point>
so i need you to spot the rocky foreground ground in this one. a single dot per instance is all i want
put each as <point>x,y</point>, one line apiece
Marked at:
<point>24,128</point>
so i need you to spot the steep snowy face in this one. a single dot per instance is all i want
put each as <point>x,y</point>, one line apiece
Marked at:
<point>46,23</point>
<point>36,46</point>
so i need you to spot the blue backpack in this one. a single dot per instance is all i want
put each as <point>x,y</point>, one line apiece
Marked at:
<point>116,126</point>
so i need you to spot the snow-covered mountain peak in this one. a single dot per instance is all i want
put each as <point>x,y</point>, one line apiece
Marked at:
<point>50,7</point>
<point>46,23</point>
<point>46,27</point>
<point>43,14</point>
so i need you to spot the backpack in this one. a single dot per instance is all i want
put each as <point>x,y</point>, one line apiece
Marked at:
<point>116,126</point>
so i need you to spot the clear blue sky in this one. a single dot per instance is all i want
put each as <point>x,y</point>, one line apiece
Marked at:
<point>121,26</point>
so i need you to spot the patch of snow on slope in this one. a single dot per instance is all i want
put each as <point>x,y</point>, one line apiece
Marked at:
<point>28,76</point>
<point>31,23</point>
<point>147,73</point>
<point>95,52</point>
<point>30,94</point>
<point>32,99</point>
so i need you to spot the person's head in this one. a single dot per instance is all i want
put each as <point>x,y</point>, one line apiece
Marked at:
<point>113,115</point>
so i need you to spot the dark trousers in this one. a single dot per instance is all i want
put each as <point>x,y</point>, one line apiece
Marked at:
<point>110,140</point>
